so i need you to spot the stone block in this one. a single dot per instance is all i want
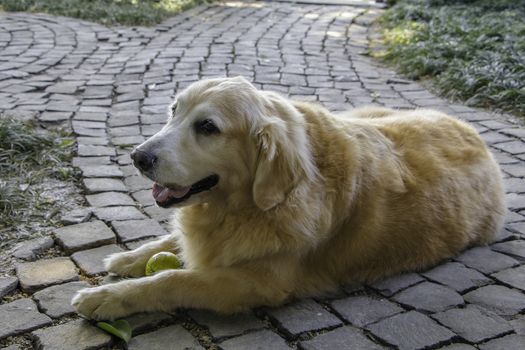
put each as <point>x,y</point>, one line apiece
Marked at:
<point>473,323</point>
<point>73,335</point>
<point>411,330</point>
<point>118,213</point>
<point>55,301</point>
<point>46,272</point>
<point>109,199</point>
<point>221,326</point>
<point>363,310</point>
<point>7,285</point>
<point>457,277</point>
<point>394,284</point>
<point>485,260</point>
<point>514,277</point>
<point>84,236</point>
<point>301,316</point>
<point>29,250</point>
<point>259,340</point>
<point>174,337</point>
<point>131,230</point>
<point>346,337</point>
<point>499,299</point>
<point>428,296</point>
<point>91,261</point>
<point>96,185</point>
<point>20,316</point>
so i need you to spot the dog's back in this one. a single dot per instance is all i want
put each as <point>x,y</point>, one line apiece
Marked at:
<point>425,188</point>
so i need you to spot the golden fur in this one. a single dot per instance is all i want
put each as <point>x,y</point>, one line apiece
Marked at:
<point>307,200</point>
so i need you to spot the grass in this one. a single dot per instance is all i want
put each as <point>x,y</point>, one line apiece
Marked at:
<point>107,12</point>
<point>30,158</point>
<point>472,50</point>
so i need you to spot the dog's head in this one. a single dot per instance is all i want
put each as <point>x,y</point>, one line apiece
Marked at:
<point>227,140</point>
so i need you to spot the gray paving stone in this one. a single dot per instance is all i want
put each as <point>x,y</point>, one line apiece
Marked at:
<point>400,330</point>
<point>55,116</point>
<point>100,171</point>
<point>55,301</point>
<point>301,316</point>
<point>119,213</point>
<point>46,272</point>
<point>513,341</point>
<point>73,335</point>
<point>394,284</point>
<point>91,261</point>
<point>485,260</point>
<point>363,310</point>
<point>177,337</point>
<point>20,316</point>
<point>135,244</point>
<point>144,197</point>
<point>473,323</point>
<point>518,171</point>
<point>131,230</point>
<point>7,285</point>
<point>259,340</point>
<point>458,347</point>
<point>519,325</point>
<point>29,250</point>
<point>158,213</point>
<point>137,183</point>
<point>518,227</point>
<point>77,216</point>
<point>513,147</point>
<point>92,151</point>
<point>514,277</point>
<point>221,326</point>
<point>83,236</point>
<point>346,337</point>
<point>457,277</point>
<point>96,185</point>
<point>87,161</point>
<point>515,249</point>
<point>428,296</point>
<point>515,201</point>
<point>499,299</point>
<point>109,199</point>
<point>142,322</point>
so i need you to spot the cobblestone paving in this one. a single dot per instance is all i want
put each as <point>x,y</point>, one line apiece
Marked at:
<point>112,87</point>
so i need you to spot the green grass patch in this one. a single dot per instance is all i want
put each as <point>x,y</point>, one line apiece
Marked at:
<point>473,50</point>
<point>107,12</point>
<point>33,162</point>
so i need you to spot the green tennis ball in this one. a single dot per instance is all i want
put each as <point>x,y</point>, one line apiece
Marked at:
<point>162,261</point>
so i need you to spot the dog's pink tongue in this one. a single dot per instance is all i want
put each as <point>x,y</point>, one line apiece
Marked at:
<point>162,194</point>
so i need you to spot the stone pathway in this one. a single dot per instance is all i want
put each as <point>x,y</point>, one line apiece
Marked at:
<point>112,87</point>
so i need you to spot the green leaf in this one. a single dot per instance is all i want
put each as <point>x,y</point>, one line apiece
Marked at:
<point>119,328</point>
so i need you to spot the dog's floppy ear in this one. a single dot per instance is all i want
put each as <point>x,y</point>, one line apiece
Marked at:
<point>284,159</point>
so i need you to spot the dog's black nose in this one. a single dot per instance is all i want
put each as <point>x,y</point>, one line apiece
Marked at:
<point>144,161</point>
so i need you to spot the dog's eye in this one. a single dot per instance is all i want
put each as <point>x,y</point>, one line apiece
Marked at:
<point>206,127</point>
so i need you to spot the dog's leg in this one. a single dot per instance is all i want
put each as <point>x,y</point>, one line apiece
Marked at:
<point>220,289</point>
<point>133,263</point>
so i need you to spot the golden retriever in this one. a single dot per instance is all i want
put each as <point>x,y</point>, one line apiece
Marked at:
<point>282,199</point>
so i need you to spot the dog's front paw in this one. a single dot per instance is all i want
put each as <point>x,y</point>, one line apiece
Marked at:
<point>101,303</point>
<point>129,264</point>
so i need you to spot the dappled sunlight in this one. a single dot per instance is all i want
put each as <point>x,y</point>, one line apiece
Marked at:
<point>335,34</point>
<point>241,4</point>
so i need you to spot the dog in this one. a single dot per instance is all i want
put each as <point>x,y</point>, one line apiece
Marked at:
<point>281,199</point>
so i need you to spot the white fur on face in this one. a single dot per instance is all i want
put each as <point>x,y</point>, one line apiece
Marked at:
<point>185,157</point>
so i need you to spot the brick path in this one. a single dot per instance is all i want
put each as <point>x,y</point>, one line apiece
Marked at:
<point>112,87</point>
